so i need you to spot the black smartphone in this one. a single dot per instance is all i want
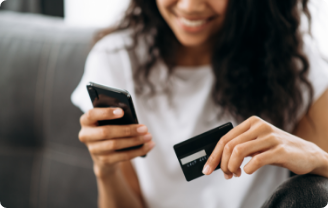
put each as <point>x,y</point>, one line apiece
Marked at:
<point>104,97</point>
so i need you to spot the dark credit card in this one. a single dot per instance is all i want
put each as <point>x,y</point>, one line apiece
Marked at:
<point>193,153</point>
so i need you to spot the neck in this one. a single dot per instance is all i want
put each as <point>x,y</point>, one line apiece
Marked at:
<point>194,56</point>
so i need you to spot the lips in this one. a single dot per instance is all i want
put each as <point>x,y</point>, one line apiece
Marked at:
<point>192,23</point>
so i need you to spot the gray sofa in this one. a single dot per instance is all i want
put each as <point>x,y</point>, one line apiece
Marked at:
<point>42,162</point>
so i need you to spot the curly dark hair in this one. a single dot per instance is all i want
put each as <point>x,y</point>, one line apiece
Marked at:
<point>258,59</point>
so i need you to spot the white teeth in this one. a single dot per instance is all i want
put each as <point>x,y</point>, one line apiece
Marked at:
<point>192,23</point>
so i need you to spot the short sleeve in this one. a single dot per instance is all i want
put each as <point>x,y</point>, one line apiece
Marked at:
<point>318,73</point>
<point>107,64</point>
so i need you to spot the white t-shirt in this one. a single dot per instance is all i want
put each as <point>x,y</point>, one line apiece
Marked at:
<point>190,112</point>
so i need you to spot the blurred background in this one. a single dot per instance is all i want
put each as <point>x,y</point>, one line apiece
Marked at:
<point>43,47</point>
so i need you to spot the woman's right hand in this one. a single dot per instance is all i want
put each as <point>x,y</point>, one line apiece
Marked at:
<point>103,141</point>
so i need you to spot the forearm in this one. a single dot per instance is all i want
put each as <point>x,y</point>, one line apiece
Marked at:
<point>114,191</point>
<point>313,128</point>
<point>320,156</point>
<point>322,170</point>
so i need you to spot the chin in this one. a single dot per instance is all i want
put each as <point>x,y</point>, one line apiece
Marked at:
<point>191,41</point>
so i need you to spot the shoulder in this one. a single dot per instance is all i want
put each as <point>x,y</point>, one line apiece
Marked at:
<point>110,54</point>
<point>108,64</point>
<point>114,42</point>
<point>318,69</point>
<point>109,57</point>
<point>317,75</point>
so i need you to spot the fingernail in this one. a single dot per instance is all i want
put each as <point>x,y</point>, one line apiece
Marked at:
<point>235,175</point>
<point>142,129</point>
<point>147,137</point>
<point>151,145</point>
<point>118,111</point>
<point>206,170</point>
<point>226,176</point>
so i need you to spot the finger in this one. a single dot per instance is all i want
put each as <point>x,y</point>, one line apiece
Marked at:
<point>265,158</point>
<point>107,146</point>
<point>237,173</point>
<point>238,130</point>
<point>98,114</point>
<point>91,134</point>
<point>116,157</point>
<point>215,158</point>
<point>251,134</point>
<point>247,149</point>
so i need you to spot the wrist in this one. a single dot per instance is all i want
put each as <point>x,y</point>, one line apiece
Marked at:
<point>105,172</point>
<point>322,168</point>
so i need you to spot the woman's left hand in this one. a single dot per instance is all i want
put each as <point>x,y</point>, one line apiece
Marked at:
<point>267,144</point>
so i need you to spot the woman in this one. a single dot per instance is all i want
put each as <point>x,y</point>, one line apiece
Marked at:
<point>192,65</point>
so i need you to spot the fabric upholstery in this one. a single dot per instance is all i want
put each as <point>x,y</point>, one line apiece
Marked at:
<point>32,6</point>
<point>42,162</point>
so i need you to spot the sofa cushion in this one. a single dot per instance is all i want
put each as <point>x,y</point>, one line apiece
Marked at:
<point>41,62</point>
<point>51,176</point>
<point>43,162</point>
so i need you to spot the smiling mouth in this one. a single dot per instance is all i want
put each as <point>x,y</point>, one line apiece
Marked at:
<point>193,23</point>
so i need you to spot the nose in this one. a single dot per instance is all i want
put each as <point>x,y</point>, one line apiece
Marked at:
<point>192,6</point>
